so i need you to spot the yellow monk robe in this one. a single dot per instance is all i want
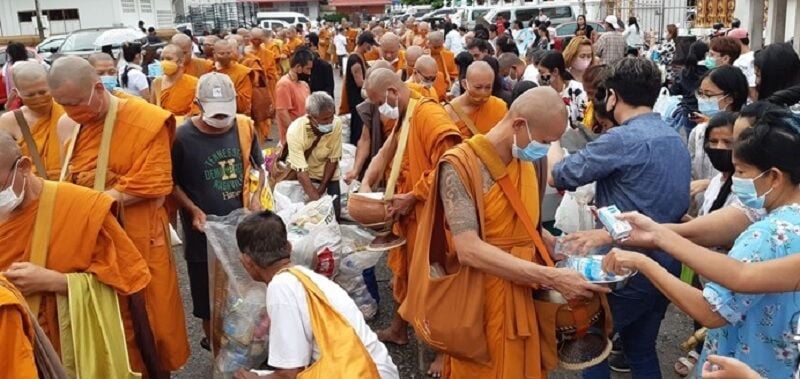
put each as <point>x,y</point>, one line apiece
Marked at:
<point>400,63</point>
<point>352,35</point>
<point>17,334</point>
<point>140,165</point>
<point>274,45</point>
<point>422,91</point>
<point>324,43</point>
<point>178,99</point>
<point>45,135</point>
<point>197,67</point>
<point>510,322</point>
<point>242,79</point>
<point>432,133</point>
<point>484,117</point>
<point>84,237</point>
<point>446,61</point>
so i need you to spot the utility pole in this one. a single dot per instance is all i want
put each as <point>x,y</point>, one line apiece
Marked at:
<point>39,19</point>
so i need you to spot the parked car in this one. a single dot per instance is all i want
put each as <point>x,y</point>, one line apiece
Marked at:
<point>566,31</point>
<point>3,57</point>
<point>558,13</point>
<point>50,46</point>
<point>82,42</point>
<point>291,18</point>
<point>273,24</point>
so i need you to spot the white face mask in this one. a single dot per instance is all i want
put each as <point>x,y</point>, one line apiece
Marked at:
<point>217,122</point>
<point>325,128</point>
<point>388,111</point>
<point>10,200</point>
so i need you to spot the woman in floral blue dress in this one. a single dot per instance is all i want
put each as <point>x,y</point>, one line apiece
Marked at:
<point>753,328</point>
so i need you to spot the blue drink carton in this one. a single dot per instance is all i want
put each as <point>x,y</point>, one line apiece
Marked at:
<point>618,229</point>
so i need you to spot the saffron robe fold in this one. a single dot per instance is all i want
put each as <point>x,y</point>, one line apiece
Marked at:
<point>197,67</point>
<point>178,99</point>
<point>45,135</point>
<point>484,118</point>
<point>140,164</point>
<point>85,237</point>
<point>423,91</point>
<point>16,332</point>
<point>242,78</point>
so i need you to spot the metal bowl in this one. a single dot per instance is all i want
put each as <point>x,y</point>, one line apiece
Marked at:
<point>617,283</point>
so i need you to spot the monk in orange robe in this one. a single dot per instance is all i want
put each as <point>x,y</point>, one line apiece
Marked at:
<point>138,176</point>
<point>444,58</point>
<point>425,73</point>
<point>431,133</point>
<point>225,57</point>
<point>17,334</point>
<point>260,49</point>
<point>84,237</point>
<point>192,66</point>
<point>476,111</point>
<point>391,51</point>
<point>411,31</point>
<point>421,37</point>
<point>292,43</point>
<point>497,244</point>
<point>325,38</point>
<point>41,114</point>
<point>175,90</point>
<point>351,34</point>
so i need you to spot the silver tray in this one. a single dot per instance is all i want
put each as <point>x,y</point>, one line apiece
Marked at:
<point>618,282</point>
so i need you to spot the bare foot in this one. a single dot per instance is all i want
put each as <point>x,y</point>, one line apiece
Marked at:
<point>437,366</point>
<point>396,333</point>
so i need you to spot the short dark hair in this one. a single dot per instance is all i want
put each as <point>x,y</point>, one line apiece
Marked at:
<point>506,44</point>
<point>773,141</point>
<point>636,81</point>
<point>726,46</point>
<point>151,29</point>
<point>780,68</point>
<point>732,82</point>
<point>130,50</point>
<point>301,57</point>
<point>480,44</point>
<point>758,109</point>
<point>16,52</point>
<point>553,60</point>
<point>262,237</point>
<point>313,39</point>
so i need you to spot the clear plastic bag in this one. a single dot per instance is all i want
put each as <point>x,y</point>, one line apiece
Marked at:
<point>239,320</point>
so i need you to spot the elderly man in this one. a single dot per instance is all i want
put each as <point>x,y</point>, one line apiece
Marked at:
<point>175,90</point>
<point>412,54</point>
<point>57,237</point>
<point>225,62</point>
<point>430,133</point>
<point>445,59</point>
<point>390,51</point>
<point>421,36</point>
<point>292,92</point>
<point>211,159</point>
<point>311,318</point>
<point>137,174</point>
<point>34,125</point>
<point>476,111</point>
<point>315,148</point>
<point>424,79</point>
<point>191,65</point>
<point>490,237</point>
<point>511,69</point>
<point>208,46</point>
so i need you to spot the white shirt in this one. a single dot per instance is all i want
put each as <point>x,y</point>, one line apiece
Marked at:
<point>454,42</point>
<point>291,340</point>
<point>633,36</point>
<point>714,186</point>
<point>137,80</point>
<point>340,41</point>
<point>531,74</point>
<point>745,63</point>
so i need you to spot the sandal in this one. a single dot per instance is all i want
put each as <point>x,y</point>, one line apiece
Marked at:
<point>685,365</point>
<point>205,344</point>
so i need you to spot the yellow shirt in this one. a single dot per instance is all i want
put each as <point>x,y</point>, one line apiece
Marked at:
<point>300,137</point>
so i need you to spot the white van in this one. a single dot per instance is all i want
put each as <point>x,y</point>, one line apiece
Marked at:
<point>273,24</point>
<point>291,18</point>
<point>558,13</point>
<point>471,14</point>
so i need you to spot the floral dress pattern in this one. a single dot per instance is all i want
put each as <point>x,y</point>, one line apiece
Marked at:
<point>758,330</point>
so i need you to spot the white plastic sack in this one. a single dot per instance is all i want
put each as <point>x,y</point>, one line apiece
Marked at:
<point>291,189</point>
<point>574,213</point>
<point>319,251</point>
<point>661,103</point>
<point>240,324</point>
<point>314,214</point>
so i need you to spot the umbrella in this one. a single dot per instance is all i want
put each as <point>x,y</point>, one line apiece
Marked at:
<point>118,36</point>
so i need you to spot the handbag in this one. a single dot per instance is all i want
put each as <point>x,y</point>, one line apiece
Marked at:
<point>280,170</point>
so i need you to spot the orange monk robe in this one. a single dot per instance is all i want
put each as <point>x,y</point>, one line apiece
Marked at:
<point>16,332</point>
<point>352,35</point>
<point>372,55</point>
<point>446,61</point>
<point>120,94</point>
<point>432,133</point>
<point>509,315</point>
<point>140,165</point>
<point>400,63</point>
<point>440,84</point>
<point>274,45</point>
<point>324,43</point>
<point>84,237</point>
<point>45,135</point>
<point>485,117</point>
<point>242,79</point>
<point>408,37</point>
<point>178,98</point>
<point>423,91</point>
<point>291,45</point>
<point>420,40</point>
<point>197,67</point>
<point>262,98</point>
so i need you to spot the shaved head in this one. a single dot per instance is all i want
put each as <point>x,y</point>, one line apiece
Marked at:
<point>72,69</point>
<point>184,42</point>
<point>480,81</point>
<point>507,61</point>
<point>224,51</point>
<point>379,83</point>
<point>103,64</point>
<point>436,39</point>
<point>9,149</point>
<point>25,73</point>
<point>378,64</point>
<point>75,85</point>
<point>426,66</point>
<point>424,27</point>
<point>257,34</point>
<point>172,52</point>
<point>543,110</point>
<point>412,54</point>
<point>390,46</point>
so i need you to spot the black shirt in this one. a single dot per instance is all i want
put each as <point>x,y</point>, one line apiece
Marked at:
<point>353,91</point>
<point>210,171</point>
<point>321,77</point>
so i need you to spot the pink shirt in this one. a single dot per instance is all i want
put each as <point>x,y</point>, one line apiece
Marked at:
<point>291,96</point>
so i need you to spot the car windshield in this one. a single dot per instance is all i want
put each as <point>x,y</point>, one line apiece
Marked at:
<point>81,41</point>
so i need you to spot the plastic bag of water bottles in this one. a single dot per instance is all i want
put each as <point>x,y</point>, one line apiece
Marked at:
<point>239,320</point>
<point>355,260</point>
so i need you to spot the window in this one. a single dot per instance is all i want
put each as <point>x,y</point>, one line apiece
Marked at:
<point>25,16</point>
<point>128,6</point>
<point>71,14</point>
<point>558,12</point>
<point>526,15</point>
<point>506,15</point>
<point>145,6</point>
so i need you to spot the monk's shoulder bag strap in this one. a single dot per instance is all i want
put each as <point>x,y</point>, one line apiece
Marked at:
<point>464,118</point>
<point>31,143</point>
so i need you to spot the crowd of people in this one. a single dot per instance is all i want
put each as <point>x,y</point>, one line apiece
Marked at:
<point>101,159</point>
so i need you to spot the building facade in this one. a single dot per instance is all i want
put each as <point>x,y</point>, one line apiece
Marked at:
<point>17,17</point>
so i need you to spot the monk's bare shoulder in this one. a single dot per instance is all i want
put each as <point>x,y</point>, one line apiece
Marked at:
<point>64,128</point>
<point>459,208</point>
<point>8,124</point>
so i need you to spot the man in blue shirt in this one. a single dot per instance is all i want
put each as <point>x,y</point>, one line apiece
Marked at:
<point>641,165</point>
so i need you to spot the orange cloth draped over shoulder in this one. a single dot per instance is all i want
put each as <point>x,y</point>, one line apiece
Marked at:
<point>140,165</point>
<point>197,67</point>
<point>446,61</point>
<point>268,63</point>
<point>178,99</point>
<point>432,133</point>
<point>242,78</point>
<point>510,322</point>
<point>45,135</point>
<point>352,35</point>
<point>484,117</point>
<point>423,91</point>
<point>372,55</point>
<point>440,84</point>
<point>400,64</point>
<point>324,43</point>
<point>16,332</point>
<point>291,45</point>
<point>84,237</point>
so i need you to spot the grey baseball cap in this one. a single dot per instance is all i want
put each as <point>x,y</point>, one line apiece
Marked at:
<point>216,94</point>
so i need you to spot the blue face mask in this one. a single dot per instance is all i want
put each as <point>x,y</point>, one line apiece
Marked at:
<point>710,63</point>
<point>745,190</point>
<point>708,106</point>
<point>109,81</point>
<point>533,152</point>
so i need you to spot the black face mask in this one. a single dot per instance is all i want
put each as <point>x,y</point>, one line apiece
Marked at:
<point>304,77</point>
<point>721,159</point>
<point>600,101</point>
